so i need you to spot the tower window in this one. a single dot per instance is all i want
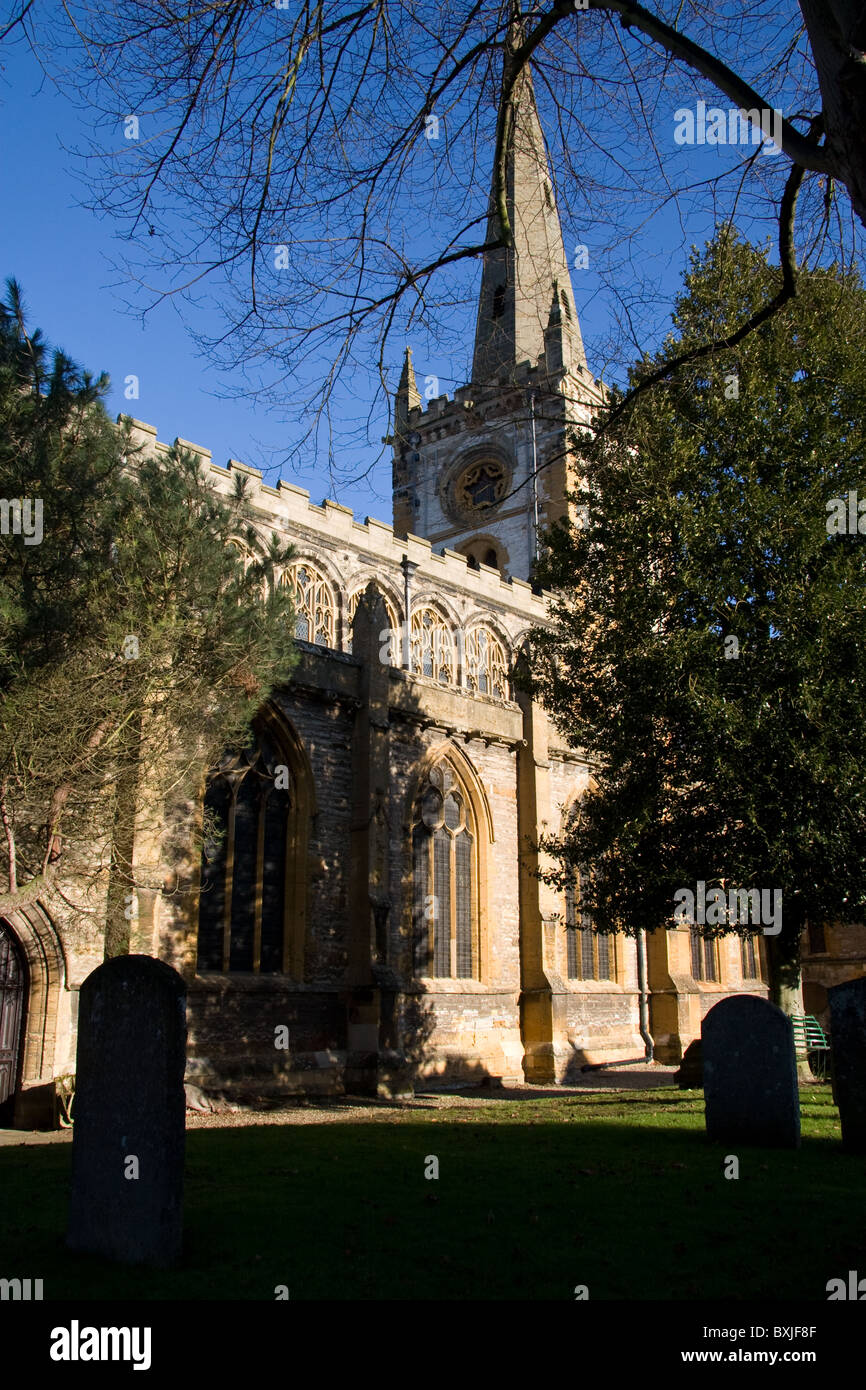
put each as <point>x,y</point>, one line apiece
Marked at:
<point>480,486</point>
<point>499,301</point>
<point>565,304</point>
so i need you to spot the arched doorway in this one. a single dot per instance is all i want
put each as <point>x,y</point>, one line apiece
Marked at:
<point>13,978</point>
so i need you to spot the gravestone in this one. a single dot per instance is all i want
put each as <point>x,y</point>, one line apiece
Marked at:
<point>750,1074</point>
<point>691,1071</point>
<point>128,1138</point>
<point>848,1044</point>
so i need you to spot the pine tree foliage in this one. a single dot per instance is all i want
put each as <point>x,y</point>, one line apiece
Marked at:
<point>138,634</point>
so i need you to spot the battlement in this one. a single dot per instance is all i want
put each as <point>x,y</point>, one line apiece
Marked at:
<point>525,374</point>
<point>288,509</point>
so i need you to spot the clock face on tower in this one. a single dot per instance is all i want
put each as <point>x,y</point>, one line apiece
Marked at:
<point>477,488</point>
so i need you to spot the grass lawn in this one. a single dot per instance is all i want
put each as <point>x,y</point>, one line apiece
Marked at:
<point>618,1191</point>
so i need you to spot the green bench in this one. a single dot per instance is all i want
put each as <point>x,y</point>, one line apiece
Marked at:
<point>809,1037</point>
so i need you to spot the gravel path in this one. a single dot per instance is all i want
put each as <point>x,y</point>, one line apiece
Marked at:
<point>353,1110</point>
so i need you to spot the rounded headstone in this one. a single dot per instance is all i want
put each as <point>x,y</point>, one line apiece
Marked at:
<point>128,1138</point>
<point>848,1044</point>
<point>750,1074</point>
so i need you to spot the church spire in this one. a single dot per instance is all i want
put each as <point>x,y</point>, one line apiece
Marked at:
<point>518,281</point>
<point>408,395</point>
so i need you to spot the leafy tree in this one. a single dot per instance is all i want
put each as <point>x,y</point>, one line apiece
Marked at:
<point>137,638</point>
<point>709,637</point>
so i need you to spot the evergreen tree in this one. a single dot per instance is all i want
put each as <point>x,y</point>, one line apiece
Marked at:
<point>709,638</point>
<point>137,637</point>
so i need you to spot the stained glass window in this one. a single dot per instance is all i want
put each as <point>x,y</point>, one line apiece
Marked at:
<point>486,664</point>
<point>703,956</point>
<point>432,645</point>
<point>588,954</point>
<point>445,856</point>
<point>315,606</point>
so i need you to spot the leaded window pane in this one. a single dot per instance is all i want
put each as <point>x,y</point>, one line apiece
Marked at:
<point>589,955</point>
<point>697,957</point>
<point>315,605</point>
<point>445,911</point>
<point>442,903</point>
<point>463,858</point>
<point>571,952</point>
<point>486,664</point>
<point>432,646</point>
<point>603,945</point>
<point>422,905</point>
<point>748,958</point>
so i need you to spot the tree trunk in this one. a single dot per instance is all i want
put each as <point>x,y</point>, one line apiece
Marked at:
<point>122,897</point>
<point>786,983</point>
<point>837,36</point>
<point>786,987</point>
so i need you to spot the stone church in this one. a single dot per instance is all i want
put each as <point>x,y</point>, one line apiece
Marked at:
<point>370,919</point>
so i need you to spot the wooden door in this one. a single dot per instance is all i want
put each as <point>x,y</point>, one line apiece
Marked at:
<point>11,1010</point>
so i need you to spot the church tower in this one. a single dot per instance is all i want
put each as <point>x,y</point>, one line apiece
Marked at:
<point>485,472</point>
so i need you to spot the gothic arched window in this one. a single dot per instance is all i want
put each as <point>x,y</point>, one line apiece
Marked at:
<point>433,647</point>
<point>252,850</point>
<point>393,625</point>
<point>486,664</point>
<point>704,963</point>
<point>243,550</point>
<point>315,605</point>
<point>248,558</point>
<point>445,879</point>
<point>589,955</point>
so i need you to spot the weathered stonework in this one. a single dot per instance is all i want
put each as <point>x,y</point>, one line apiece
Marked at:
<point>357,1005</point>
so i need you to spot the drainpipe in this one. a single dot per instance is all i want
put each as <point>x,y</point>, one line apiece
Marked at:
<point>644,995</point>
<point>534,478</point>
<point>409,567</point>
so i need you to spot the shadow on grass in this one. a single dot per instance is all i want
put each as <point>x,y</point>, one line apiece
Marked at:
<point>522,1210</point>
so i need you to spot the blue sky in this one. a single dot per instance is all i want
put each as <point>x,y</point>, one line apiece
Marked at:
<point>62,254</point>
